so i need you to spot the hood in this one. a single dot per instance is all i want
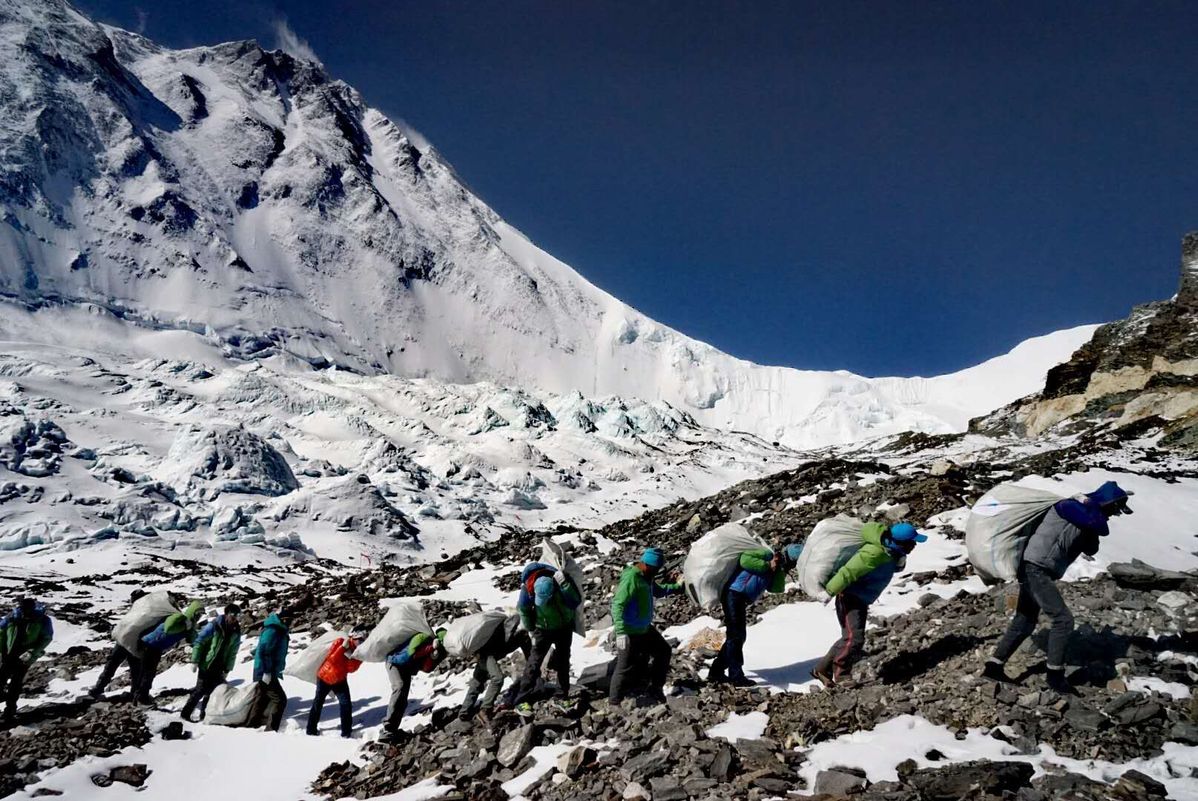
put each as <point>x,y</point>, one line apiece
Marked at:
<point>274,620</point>
<point>1109,494</point>
<point>39,611</point>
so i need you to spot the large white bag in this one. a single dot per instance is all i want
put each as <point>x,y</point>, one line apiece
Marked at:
<point>830,544</point>
<point>146,613</point>
<point>305,666</point>
<point>229,705</point>
<point>712,560</point>
<point>556,555</point>
<point>999,526</point>
<point>403,621</point>
<point>467,635</point>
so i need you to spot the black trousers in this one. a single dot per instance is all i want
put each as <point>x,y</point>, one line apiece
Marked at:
<point>401,685</point>
<point>149,671</point>
<point>269,706</point>
<point>543,642</point>
<point>116,658</point>
<point>852,613</point>
<point>341,690</point>
<point>1038,593</point>
<point>730,661</point>
<point>206,682</point>
<point>644,663</point>
<point>12,679</point>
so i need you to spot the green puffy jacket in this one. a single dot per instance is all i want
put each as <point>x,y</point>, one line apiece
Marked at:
<point>870,557</point>
<point>26,636</point>
<point>632,605</point>
<point>217,645</point>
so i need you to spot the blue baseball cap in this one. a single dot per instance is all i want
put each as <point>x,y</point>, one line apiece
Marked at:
<point>542,590</point>
<point>653,557</point>
<point>905,532</point>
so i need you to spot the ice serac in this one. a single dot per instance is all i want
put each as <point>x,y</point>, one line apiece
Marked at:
<point>247,195</point>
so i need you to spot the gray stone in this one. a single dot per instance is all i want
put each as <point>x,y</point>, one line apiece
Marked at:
<point>840,781</point>
<point>1175,601</point>
<point>573,761</point>
<point>643,767</point>
<point>515,745</point>
<point>970,780</point>
<point>666,788</point>
<point>635,791</point>
<point>1085,718</point>
<point>721,766</point>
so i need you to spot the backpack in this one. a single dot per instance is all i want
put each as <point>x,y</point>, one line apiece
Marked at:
<point>999,526</point>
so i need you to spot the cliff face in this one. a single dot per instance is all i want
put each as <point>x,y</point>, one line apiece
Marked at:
<point>1141,371</point>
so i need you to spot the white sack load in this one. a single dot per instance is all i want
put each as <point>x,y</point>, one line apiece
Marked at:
<point>556,555</point>
<point>403,621</point>
<point>467,635</point>
<point>999,526</point>
<point>830,544</point>
<point>229,705</point>
<point>712,561</point>
<point>146,613</point>
<point>305,666</point>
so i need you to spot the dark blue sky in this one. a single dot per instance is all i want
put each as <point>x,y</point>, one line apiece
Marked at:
<point>891,188</point>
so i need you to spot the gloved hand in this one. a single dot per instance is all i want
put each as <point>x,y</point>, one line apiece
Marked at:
<point>823,597</point>
<point>560,577</point>
<point>621,642</point>
<point>265,679</point>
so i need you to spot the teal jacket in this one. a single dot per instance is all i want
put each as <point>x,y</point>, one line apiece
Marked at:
<point>217,644</point>
<point>868,572</point>
<point>26,636</point>
<point>270,657</point>
<point>632,605</point>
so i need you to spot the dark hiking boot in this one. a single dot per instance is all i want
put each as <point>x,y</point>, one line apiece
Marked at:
<point>1058,683</point>
<point>823,678</point>
<point>716,676</point>
<point>742,681</point>
<point>996,672</point>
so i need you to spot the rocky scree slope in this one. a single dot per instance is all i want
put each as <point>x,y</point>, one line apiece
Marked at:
<point>248,196</point>
<point>1135,378</point>
<point>1137,626</point>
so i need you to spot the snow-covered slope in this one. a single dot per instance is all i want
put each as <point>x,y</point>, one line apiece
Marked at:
<point>248,196</point>
<point>113,436</point>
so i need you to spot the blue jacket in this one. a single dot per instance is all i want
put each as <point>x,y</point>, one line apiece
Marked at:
<point>270,657</point>
<point>874,583</point>
<point>754,575</point>
<point>176,628</point>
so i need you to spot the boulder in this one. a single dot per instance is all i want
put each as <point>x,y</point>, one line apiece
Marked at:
<point>515,745</point>
<point>840,781</point>
<point>970,779</point>
<point>573,761</point>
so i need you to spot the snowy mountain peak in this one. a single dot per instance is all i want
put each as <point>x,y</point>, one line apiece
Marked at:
<point>248,196</point>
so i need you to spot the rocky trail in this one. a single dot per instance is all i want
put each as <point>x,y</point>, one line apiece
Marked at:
<point>1136,652</point>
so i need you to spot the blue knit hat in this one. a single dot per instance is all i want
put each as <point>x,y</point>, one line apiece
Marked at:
<point>905,532</point>
<point>653,557</point>
<point>794,551</point>
<point>542,590</point>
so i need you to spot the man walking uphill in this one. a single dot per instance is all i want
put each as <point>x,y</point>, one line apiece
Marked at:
<point>856,585</point>
<point>270,658</point>
<point>1072,527</point>
<point>214,654</point>
<point>333,677</point>
<point>24,634</point>
<point>640,648</point>
<point>420,654</point>
<point>759,570</point>
<point>548,602</point>
<point>175,629</point>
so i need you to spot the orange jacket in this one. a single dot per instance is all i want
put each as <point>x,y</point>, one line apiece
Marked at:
<point>337,666</point>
